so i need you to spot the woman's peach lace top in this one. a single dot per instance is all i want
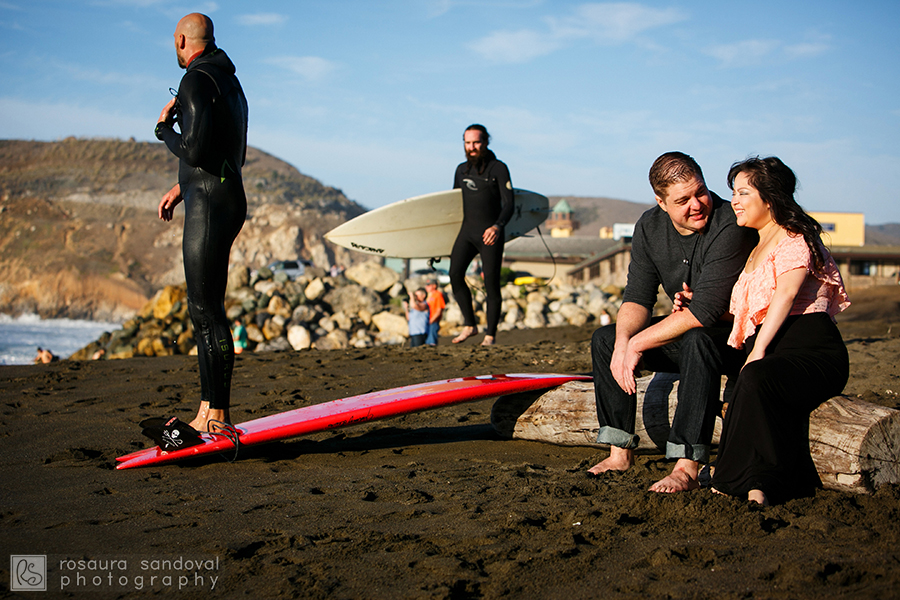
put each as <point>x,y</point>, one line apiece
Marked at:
<point>753,291</point>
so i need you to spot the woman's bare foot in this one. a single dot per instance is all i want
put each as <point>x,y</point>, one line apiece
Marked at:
<point>465,334</point>
<point>488,340</point>
<point>619,459</point>
<point>683,478</point>
<point>758,496</point>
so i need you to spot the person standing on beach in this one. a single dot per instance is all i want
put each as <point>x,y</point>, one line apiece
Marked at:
<point>436,307</point>
<point>417,313</point>
<point>689,242</point>
<point>487,207</point>
<point>211,112</point>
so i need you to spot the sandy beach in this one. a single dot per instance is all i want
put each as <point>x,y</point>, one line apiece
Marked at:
<point>429,505</point>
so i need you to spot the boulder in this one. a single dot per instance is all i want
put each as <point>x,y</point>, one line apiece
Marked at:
<point>389,338</point>
<point>166,300</point>
<point>254,333</point>
<point>574,314</point>
<point>185,342</point>
<point>273,328</point>
<point>279,306</point>
<point>299,338</point>
<point>351,299</point>
<point>238,277</point>
<point>452,315</point>
<point>274,345</point>
<point>161,347</point>
<point>303,314</point>
<point>335,340</point>
<point>373,276</point>
<point>315,289</point>
<point>328,324</point>
<point>534,316</point>
<point>555,319</point>
<point>342,320</point>
<point>387,322</point>
<point>144,347</point>
<point>267,287</point>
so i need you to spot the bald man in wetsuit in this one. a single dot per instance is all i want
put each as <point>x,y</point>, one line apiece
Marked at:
<point>488,205</point>
<point>211,112</point>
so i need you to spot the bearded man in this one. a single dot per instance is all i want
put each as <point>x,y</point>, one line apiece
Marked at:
<point>488,205</point>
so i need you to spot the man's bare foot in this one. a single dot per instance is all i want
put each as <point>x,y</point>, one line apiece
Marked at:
<point>206,414</point>
<point>465,334</point>
<point>683,478</point>
<point>488,340</point>
<point>619,459</point>
<point>758,496</point>
<point>199,422</point>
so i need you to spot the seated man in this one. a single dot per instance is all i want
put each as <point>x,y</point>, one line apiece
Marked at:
<point>689,242</point>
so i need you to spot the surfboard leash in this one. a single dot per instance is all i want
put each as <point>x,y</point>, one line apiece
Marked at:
<point>229,432</point>
<point>550,254</point>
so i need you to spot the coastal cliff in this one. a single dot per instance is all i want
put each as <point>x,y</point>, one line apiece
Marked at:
<point>80,236</point>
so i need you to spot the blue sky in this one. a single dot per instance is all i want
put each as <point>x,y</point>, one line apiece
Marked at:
<point>373,96</point>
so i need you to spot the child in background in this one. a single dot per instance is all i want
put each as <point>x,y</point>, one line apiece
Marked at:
<point>417,314</point>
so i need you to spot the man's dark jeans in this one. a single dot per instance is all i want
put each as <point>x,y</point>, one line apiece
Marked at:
<point>700,357</point>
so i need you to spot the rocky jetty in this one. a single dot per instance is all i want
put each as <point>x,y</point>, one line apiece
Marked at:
<point>361,308</point>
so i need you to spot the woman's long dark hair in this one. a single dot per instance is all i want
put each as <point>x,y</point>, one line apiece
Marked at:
<point>776,184</point>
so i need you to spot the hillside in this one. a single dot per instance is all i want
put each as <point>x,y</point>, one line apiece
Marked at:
<point>883,235</point>
<point>79,234</point>
<point>594,213</point>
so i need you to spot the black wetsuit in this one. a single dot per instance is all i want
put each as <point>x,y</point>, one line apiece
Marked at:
<point>487,200</point>
<point>212,115</point>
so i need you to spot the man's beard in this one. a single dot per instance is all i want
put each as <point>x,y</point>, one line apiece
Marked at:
<point>478,160</point>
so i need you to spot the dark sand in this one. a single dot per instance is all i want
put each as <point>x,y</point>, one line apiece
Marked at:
<point>431,505</point>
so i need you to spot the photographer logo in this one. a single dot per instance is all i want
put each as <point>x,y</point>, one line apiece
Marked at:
<point>28,573</point>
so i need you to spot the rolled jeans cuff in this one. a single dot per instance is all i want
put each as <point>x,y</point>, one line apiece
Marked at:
<point>617,437</point>
<point>699,453</point>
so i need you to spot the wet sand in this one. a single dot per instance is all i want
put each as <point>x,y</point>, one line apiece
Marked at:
<point>430,505</point>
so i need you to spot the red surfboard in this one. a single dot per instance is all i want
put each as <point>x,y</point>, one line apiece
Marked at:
<point>356,409</point>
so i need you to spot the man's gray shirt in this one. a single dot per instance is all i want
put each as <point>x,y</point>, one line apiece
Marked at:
<point>708,262</point>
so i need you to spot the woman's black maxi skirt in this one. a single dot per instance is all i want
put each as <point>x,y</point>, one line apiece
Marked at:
<point>765,438</point>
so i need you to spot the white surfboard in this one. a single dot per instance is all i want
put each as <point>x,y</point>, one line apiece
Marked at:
<point>426,226</point>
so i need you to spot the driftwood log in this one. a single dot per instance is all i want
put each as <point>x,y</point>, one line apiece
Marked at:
<point>855,445</point>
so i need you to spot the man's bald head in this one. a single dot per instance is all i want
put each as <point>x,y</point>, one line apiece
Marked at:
<point>193,34</point>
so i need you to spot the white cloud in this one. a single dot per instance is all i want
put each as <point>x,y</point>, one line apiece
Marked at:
<point>311,68</point>
<point>604,23</point>
<point>515,46</point>
<point>806,50</point>
<point>614,22</point>
<point>751,52</point>
<point>262,19</point>
<point>743,53</point>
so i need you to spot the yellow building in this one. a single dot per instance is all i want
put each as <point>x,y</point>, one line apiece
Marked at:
<point>841,229</point>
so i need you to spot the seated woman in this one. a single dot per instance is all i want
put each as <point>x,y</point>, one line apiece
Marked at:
<point>783,305</point>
